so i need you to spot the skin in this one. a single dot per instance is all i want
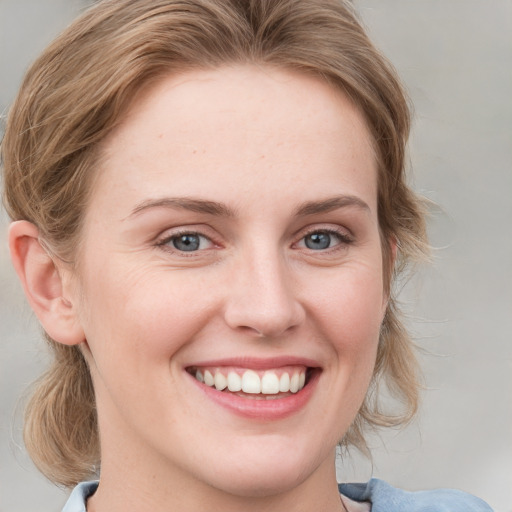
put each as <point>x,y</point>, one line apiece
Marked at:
<point>261,143</point>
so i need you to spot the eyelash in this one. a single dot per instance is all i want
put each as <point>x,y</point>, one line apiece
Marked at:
<point>344,240</point>
<point>165,243</point>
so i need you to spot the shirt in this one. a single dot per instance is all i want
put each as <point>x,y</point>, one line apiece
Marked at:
<point>381,497</point>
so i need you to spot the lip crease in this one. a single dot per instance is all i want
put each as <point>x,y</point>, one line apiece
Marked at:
<point>263,410</point>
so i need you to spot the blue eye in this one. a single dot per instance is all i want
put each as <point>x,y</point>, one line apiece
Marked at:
<point>321,240</point>
<point>188,242</point>
<point>318,241</point>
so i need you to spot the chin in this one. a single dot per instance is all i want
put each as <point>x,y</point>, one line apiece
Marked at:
<point>258,484</point>
<point>266,474</point>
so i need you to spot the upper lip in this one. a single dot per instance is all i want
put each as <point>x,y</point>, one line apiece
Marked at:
<point>258,363</point>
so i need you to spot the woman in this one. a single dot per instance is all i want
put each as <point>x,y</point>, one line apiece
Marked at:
<point>209,209</point>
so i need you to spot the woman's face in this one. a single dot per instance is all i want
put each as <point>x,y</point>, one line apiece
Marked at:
<point>232,240</point>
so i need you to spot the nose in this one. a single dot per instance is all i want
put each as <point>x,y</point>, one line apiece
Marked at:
<point>262,297</point>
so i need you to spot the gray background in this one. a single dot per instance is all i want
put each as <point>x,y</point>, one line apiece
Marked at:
<point>455,57</point>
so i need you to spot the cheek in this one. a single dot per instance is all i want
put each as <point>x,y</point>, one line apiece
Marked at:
<point>349,314</point>
<point>140,316</point>
<point>352,305</point>
<point>136,329</point>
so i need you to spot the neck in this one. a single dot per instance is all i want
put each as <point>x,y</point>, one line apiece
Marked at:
<point>130,484</point>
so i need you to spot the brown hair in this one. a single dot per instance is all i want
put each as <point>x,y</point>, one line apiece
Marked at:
<point>74,95</point>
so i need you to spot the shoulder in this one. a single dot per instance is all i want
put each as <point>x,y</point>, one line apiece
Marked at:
<point>385,498</point>
<point>78,498</point>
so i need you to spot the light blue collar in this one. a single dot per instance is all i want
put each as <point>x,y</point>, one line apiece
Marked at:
<point>382,496</point>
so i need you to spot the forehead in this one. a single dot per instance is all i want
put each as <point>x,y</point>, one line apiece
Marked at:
<point>226,130</point>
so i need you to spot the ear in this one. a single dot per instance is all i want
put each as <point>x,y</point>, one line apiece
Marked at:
<point>42,280</point>
<point>393,251</point>
<point>389,264</point>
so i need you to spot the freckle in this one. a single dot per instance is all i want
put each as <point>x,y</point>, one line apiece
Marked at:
<point>194,151</point>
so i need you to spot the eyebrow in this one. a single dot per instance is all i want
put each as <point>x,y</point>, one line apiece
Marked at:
<point>330,204</point>
<point>185,203</point>
<point>221,210</point>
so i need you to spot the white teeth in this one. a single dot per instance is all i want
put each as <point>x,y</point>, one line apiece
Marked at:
<point>294,383</point>
<point>251,382</point>
<point>284,383</point>
<point>234,382</point>
<point>208,378</point>
<point>270,384</point>
<point>220,381</point>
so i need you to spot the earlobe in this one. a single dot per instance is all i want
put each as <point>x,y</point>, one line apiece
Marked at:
<point>42,282</point>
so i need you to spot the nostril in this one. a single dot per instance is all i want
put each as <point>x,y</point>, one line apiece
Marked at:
<point>251,330</point>
<point>264,324</point>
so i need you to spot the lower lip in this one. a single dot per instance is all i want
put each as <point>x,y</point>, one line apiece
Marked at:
<point>273,409</point>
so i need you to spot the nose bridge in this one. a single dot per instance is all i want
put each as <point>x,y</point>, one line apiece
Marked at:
<point>262,298</point>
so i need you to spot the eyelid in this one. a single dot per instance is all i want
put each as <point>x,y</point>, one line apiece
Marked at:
<point>341,231</point>
<point>164,239</point>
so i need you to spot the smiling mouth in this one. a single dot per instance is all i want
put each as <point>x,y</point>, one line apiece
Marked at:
<point>253,384</point>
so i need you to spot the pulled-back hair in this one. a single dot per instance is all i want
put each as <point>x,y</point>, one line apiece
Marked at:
<point>77,91</point>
